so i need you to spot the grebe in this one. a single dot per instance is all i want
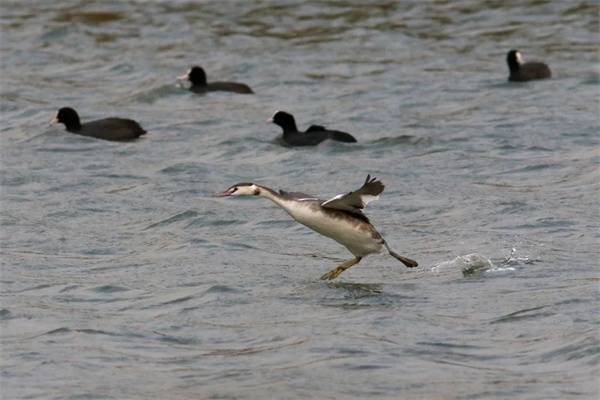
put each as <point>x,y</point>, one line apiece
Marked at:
<point>521,72</point>
<point>314,135</point>
<point>339,218</point>
<point>197,77</point>
<point>116,129</point>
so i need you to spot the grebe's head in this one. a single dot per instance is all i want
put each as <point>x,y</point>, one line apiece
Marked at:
<point>241,189</point>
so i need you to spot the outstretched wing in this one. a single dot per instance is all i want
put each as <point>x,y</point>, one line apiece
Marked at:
<point>356,201</point>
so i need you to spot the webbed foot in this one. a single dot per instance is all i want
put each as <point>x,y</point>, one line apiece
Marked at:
<point>341,268</point>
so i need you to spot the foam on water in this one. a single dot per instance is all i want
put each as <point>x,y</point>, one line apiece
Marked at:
<point>467,264</point>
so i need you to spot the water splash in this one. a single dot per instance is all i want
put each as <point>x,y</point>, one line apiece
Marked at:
<point>468,264</point>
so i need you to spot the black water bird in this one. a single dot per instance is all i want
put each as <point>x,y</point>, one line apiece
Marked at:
<point>197,78</point>
<point>115,129</point>
<point>314,135</point>
<point>525,71</point>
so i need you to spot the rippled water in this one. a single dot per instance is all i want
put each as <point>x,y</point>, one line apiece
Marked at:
<point>123,278</point>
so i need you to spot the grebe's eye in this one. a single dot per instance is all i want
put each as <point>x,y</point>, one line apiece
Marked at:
<point>234,190</point>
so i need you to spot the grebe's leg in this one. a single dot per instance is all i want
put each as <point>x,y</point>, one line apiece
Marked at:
<point>404,260</point>
<point>341,268</point>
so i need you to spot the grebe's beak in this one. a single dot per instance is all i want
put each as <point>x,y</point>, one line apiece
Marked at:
<point>183,77</point>
<point>54,120</point>
<point>270,119</point>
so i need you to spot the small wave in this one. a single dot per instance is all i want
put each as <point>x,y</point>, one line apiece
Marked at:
<point>402,140</point>
<point>178,300</point>
<point>118,176</point>
<point>68,288</point>
<point>175,218</point>
<point>158,304</point>
<point>531,168</point>
<point>57,331</point>
<point>110,289</point>
<point>36,288</point>
<point>237,246</point>
<point>121,189</point>
<point>96,332</point>
<point>354,296</point>
<point>367,367</point>
<point>77,139</point>
<point>254,350</point>
<point>183,167</point>
<point>153,94</point>
<point>586,346</point>
<point>223,222</point>
<point>592,79</point>
<point>177,340</point>
<point>445,345</point>
<point>222,289</point>
<point>525,314</point>
<point>100,332</point>
<point>5,314</point>
<point>357,290</point>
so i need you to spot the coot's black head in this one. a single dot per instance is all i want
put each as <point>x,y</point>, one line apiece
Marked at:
<point>69,117</point>
<point>514,60</point>
<point>284,120</point>
<point>197,76</point>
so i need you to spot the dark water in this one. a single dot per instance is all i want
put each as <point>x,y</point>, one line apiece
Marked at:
<point>123,278</point>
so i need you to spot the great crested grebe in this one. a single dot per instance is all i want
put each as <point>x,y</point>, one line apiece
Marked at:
<point>339,218</point>
<point>116,129</point>
<point>314,135</point>
<point>197,78</point>
<point>521,72</point>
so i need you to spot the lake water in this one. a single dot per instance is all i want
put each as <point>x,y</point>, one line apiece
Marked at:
<point>123,278</point>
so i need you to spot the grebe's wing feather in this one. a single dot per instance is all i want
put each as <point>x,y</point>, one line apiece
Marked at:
<point>297,196</point>
<point>357,200</point>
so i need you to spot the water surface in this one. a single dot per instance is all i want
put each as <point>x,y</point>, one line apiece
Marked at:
<point>122,277</point>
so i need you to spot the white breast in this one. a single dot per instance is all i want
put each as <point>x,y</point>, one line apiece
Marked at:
<point>359,241</point>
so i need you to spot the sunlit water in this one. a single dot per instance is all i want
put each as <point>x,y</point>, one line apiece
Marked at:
<point>122,277</point>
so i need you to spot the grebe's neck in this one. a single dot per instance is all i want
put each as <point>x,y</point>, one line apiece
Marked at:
<point>270,194</point>
<point>289,205</point>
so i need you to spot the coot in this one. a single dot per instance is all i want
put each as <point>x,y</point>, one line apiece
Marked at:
<point>521,72</point>
<point>116,129</point>
<point>314,135</point>
<point>197,77</point>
